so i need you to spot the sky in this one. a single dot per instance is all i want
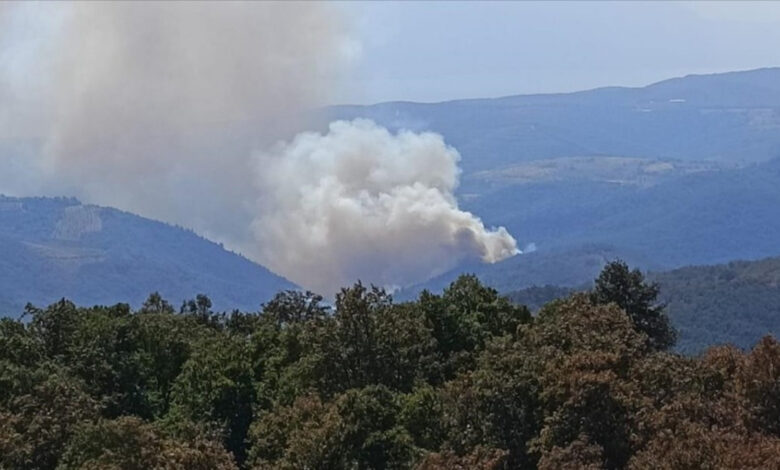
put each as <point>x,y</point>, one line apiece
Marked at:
<point>435,51</point>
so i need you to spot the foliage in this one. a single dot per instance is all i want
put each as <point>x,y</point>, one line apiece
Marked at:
<point>128,443</point>
<point>462,380</point>
<point>358,429</point>
<point>734,303</point>
<point>629,291</point>
<point>215,387</point>
<point>35,425</point>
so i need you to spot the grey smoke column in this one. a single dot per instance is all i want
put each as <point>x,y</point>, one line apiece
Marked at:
<point>171,110</point>
<point>156,107</point>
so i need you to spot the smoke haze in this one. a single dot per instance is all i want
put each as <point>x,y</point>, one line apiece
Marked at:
<point>156,107</point>
<point>360,202</point>
<point>164,109</point>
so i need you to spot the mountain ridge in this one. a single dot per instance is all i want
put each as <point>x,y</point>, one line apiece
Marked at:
<point>58,247</point>
<point>607,88</point>
<point>666,186</point>
<point>722,117</point>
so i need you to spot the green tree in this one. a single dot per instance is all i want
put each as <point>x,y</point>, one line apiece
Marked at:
<point>274,432</point>
<point>578,455</point>
<point>482,458</point>
<point>55,326</point>
<point>128,443</point>
<point>585,353</point>
<point>19,345</point>
<point>465,317</point>
<point>295,307</point>
<point>99,346</point>
<point>628,289</point>
<point>422,415</point>
<point>200,305</point>
<point>359,429</point>
<point>496,405</point>
<point>759,385</point>
<point>156,304</point>
<point>215,387</point>
<point>164,343</point>
<point>35,425</point>
<point>368,340</point>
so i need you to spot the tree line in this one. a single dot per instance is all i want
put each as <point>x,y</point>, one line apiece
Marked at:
<point>462,380</point>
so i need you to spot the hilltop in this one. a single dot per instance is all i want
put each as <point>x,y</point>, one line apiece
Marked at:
<point>723,117</point>
<point>57,247</point>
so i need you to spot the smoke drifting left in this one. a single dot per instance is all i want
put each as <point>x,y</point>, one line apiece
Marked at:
<point>164,109</point>
<point>156,107</point>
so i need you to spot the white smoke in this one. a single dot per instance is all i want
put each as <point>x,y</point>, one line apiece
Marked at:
<point>362,203</point>
<point>160,108</point>
<point>156,107</point>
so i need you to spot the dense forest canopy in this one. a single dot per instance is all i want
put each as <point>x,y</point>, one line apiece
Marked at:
<point>733,303</point>
<point>461,380</point>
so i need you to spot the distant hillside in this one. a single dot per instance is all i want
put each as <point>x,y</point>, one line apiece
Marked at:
<point>724,117</point>
<point>536,297</point>
<point>699,218</point>
<point>681,172</point>
<point>735,303</point>
<point>53,248</point>
<point>572,267</point>
<point>702,217</point>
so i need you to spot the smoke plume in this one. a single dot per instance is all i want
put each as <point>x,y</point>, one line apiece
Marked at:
<point>360,202</point>
<point>164,109</point>
<point>156,107</point>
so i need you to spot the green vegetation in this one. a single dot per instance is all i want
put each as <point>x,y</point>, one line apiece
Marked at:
<point>734,303</point>
<point>628,290</point>
<point>461,380</point>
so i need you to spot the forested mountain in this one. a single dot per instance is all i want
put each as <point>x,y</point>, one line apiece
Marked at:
<point>731,117</point>
<point>461,380</point>
<point>678,173</point>
<point>681,172</point>
<point>734,303</point>
<point>566,268</point>
<point>610,192</point>
<point>54,248</point>
<point>701,218</point>
<point>704,217</point>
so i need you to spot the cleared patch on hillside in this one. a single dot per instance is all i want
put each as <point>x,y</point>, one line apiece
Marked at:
<point>77,221</point>
<point>640,172</point>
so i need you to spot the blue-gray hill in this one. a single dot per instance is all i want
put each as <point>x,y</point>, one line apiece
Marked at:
<point>724,117</point>
<point>57,247</point>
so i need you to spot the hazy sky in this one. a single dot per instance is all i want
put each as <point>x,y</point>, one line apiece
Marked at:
<point>432,51</point>
<point>437,51</point>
